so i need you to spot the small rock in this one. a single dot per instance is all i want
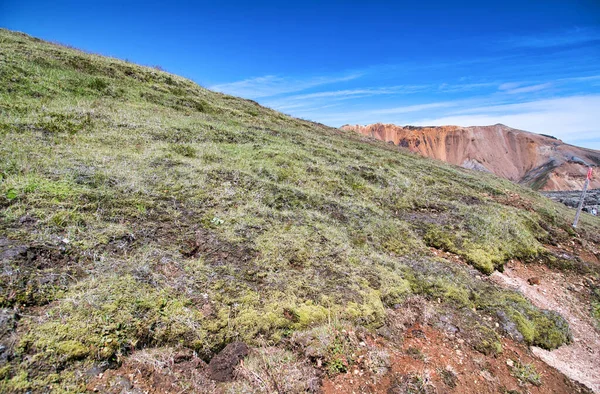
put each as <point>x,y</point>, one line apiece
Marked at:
<point>221,366</point>
<point>124,382</point>
<point>385,332</point>
<point>26,219</point>
<point>9,250</point>
<point>510,363</point>
<point>488,376</point>
<point>98,368</point>
<point>8,321</point>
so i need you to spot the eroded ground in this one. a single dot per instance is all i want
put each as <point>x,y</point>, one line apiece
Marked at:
<point>566,294</point>
<point>416,352</point>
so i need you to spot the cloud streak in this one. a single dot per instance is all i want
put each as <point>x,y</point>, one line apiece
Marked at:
<point>273,85</point>
<point>565,38</point>
<point>515,88</point>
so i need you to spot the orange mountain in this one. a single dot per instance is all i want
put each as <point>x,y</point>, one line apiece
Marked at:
<point>539,161</point>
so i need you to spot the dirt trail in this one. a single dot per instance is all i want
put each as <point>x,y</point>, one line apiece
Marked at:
<point>581,359</point>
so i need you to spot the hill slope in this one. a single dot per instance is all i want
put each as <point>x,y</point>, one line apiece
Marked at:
<point>147,222</point>
<point>531,159</point>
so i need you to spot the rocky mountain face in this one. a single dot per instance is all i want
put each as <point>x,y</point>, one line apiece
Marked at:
<point>538,161</point>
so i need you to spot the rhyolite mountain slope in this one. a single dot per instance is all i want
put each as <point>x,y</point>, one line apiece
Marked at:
<point>539,161</point>
<point>149,225</point>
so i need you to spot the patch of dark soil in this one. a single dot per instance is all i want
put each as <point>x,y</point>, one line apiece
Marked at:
<point>221,368</point>
<point>513,200</point>
<point>217,251</point>
<point>471,200</point>
<point>33,274</point>
<point>121,245</point>
<point>154,371</point>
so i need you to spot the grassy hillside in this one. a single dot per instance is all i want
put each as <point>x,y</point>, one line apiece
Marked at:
<point>140,210</point>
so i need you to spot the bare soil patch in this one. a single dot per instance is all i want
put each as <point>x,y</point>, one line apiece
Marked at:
<point>432,361</point>
<point>567,294</point>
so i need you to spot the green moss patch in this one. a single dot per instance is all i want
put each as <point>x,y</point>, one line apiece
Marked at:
<point>109,317</point>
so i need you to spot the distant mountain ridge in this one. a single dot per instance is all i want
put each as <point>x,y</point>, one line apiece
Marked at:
<point>539,161</point>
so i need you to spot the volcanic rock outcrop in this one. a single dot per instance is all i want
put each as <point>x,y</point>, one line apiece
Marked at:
<point>571,199</point>
<point>539,161</point>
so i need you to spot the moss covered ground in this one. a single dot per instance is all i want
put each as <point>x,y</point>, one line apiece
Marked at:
<point>148,211</point>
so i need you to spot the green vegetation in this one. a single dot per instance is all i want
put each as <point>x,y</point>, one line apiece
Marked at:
<point>596,303</point>
<point>526,373</point>
<point>155,212</point>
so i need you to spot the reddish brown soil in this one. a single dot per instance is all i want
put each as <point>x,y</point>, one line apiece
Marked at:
<point>433,363</point>
<point>423,359</point>
<point>569,295</point>
<point>566,292</point>
<point>542,162</point>
<point>156,371</point>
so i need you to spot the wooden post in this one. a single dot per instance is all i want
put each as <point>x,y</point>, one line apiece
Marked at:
<point>582,198</point>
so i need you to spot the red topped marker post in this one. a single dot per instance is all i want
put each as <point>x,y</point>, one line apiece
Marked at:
<point>582,198</point>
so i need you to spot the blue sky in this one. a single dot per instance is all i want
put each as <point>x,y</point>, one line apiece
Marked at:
<point>530,64</point>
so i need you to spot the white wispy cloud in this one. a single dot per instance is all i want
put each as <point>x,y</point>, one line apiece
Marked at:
<point>413,108</point>
<point>572,118</point>
<point>555,39</point>
<point>516,88</point>
<point>318,98</point>
<point>378,115</point>
<point>360,92</point>
<point>273,85</point>
<point>464,87</point>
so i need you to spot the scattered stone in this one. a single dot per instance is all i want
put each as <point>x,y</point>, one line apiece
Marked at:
<point>510,363</point>
<point>385,332</point>
<point>488,376</point>
<point>8,321</point>
<point>124,382</point>
<point>509,327</point>
<point>10,250</point>
<point>222,366</point>
<point>417,333</point>
<point>26,219</point>
<point>98,368</point>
